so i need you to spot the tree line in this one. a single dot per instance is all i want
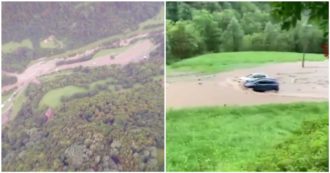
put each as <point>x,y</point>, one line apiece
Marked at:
<point>204,27</point>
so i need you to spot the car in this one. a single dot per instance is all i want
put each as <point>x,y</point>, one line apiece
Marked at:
<point>253,76</point>
<point>264,84</point>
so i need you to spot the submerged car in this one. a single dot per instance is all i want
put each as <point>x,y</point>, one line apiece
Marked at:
<point>264,84</point>
<point>253,76</point>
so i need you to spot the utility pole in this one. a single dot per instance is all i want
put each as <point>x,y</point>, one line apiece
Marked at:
<point>306,37</point>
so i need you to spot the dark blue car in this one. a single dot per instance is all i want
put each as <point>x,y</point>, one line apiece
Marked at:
<point>261,85</point>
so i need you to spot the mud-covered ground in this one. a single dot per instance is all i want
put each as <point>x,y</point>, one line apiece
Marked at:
<point>296,84</point>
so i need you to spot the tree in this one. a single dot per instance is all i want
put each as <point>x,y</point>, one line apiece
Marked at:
<point>305,35</point>
<point>208,29</point>
<point>184,11</point>
<point>172,11</point>
<point>184,39</point>
<point>271,34</point>
<point>223,18</point>
<point>233,36</point>
<point>289,13</point>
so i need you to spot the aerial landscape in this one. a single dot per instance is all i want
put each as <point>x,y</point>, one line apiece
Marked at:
<point>82,86</point>
<point>247,86</point>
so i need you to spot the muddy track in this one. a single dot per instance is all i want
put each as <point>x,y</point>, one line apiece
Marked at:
<point>222,89</point>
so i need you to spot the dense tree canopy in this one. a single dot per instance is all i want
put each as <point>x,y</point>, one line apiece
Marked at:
<point>202,27</point>
<point>116,125</point>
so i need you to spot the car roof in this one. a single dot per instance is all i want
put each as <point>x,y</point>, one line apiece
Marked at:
<point>266,79</point>
<point>259,74</point>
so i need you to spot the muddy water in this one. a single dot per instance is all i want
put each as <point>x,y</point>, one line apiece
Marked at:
<point>296,84</point>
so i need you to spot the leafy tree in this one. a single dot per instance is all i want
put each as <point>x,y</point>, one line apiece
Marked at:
<point>184,12</point>
<point>271,36</point>
<point>172,11</point>
<point>289,13</point>
<point>232,36</point>
<point>184,39</point>
<point>207,27</point>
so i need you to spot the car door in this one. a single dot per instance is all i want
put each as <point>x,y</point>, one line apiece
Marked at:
<point>260,86</point>
<point>272,85</point>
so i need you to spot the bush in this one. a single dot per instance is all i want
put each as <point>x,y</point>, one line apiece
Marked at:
<point>306,151</point>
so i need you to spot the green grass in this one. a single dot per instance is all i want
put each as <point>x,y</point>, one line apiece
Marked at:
<point>217,62</point>
<point>305,151</point>
<point>12,46</point>
<point>53,97</point>
<point>228,138</point>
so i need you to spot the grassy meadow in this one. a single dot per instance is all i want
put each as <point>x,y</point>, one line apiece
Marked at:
<point>13,46</point>
<point>53,97</point>
<point>246,138</point>
<point>217,62</point>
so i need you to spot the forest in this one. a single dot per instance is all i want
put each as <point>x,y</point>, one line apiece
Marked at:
<point>116,125</point>
<point>65,25</point>
<point>195,28</point>
<point>7,80</point>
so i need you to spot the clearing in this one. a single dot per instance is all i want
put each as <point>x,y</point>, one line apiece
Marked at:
<point>12,46</point>
<point>53,97</point>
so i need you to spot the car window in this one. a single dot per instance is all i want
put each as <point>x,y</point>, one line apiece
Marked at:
<point>259,76</point>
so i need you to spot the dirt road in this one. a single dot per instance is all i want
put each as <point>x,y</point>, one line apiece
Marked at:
<point>296,84</point>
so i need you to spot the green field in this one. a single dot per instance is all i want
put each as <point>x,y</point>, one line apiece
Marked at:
<point>217,62</point>
<point>12,46</point>
<point>53,97</point>
<point>231,138</point>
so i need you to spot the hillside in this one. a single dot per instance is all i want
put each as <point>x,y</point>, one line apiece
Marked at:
<point>33,30</point>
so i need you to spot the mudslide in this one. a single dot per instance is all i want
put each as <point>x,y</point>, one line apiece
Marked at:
<point>137,52</point>
<point>222,89</point>
<point>134,53</point>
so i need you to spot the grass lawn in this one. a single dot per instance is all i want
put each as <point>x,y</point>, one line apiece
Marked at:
<point>12,46</point>
<point>230,138</point>
<point>217,62</point>
<point>53,97</point>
